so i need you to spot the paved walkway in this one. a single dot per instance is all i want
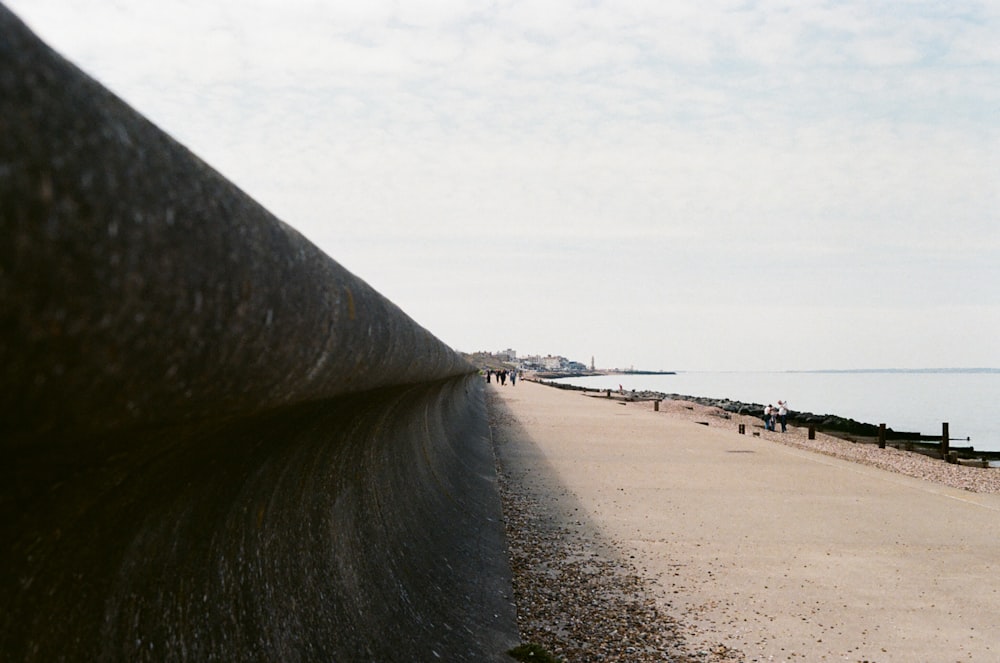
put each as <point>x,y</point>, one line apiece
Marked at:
<point>783,554</point>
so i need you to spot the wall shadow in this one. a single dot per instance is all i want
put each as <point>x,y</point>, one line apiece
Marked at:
<point>360,528</point>
<point>576,592</point>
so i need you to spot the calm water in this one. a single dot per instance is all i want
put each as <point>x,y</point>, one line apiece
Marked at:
<point>916,401</point>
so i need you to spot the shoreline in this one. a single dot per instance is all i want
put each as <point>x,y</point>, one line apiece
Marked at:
<point>753,548</point>
<point>830,424</point>
<point>891,459</point>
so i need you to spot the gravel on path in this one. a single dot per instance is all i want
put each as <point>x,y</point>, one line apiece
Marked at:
<point>578,596</point>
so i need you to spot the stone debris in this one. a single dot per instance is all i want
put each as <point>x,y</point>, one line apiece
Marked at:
<point>963,477</point>
<point>576,594</point>
<point>579,603</point>
<point>579,597</point>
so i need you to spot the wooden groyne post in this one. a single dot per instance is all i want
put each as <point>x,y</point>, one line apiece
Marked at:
<point>944,440</point>
<point>881,436</point>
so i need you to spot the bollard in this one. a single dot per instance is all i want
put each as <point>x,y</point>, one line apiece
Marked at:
<point>812,432</point>
<point>656,406</point>
<point>743,429</point>
<point>944,439</point>
<point>609,393</point>
<point>881,436</point>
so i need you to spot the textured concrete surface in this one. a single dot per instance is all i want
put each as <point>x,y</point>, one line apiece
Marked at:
<point>140,287</point>
<point>360,528</point>
<point>217,443</point>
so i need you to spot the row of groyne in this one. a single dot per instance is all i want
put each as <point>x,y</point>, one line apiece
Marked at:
<point>218,444</point>
<point>840,426</point>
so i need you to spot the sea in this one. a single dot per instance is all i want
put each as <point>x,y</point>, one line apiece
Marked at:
<point>905,400</point>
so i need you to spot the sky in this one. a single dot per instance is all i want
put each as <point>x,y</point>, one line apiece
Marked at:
<point>659,185</point>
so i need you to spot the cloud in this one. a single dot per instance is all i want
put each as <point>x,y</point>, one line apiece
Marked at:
<point>638,162</point>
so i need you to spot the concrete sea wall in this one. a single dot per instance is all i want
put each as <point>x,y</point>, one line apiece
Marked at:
<point>218,444</point>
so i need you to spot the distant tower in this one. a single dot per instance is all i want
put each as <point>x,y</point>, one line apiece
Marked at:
<point>592,362</point>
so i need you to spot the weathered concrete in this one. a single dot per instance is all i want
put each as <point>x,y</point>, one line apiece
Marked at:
<point>217,443</point>
<point>360,528</point>
<point>140,287</point>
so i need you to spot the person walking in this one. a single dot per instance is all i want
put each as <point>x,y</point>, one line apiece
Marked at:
<point>768,417</point>
<point>783,414</point>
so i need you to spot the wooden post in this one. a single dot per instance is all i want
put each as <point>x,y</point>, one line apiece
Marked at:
<point>656,406</point>
<point>881,436</point>
<point>944,440</point>
<point>812,432</point>
<point>743,429</point>
<point>609,393</point>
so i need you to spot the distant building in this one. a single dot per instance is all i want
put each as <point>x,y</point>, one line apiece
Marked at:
<point>553,363</point>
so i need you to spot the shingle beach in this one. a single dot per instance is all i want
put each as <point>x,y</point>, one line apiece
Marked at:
<point>642,535</point>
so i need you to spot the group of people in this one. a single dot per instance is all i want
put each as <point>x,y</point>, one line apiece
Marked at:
<point>776,415</point>
<point>502,375</point>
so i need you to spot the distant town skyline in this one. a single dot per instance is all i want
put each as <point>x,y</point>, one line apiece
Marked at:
<point>556,360</point>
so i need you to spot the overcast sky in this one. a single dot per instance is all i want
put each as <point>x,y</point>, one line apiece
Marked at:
<point>710,185</point>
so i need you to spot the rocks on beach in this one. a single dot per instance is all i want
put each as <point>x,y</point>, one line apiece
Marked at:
<point>973,479</point>
<point>838,436</point>
<point>583,602</point>
<point>576,598</point>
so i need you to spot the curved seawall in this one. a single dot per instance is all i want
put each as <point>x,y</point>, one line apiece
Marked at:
<point>218,444</point>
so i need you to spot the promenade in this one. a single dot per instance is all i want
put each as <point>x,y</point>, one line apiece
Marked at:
<point>760,551</point>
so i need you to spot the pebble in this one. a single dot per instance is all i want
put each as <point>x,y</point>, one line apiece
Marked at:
<point>583,601</point>
<point>963,477</point>
<point>579,598</point>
